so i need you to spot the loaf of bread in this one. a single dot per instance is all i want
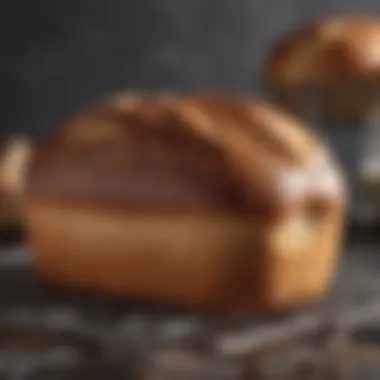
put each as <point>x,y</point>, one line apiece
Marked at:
<point>15,154</point>
<point>202,200</point>
<point>331,66</point>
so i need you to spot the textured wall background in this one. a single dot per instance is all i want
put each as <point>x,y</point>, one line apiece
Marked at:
<point>59,55</point>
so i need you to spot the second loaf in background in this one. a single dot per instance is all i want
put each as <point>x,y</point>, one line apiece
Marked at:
<point>330,67</point>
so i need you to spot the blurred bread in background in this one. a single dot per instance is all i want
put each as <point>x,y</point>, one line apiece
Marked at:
<point>15,154</point>
<point>331,67</point>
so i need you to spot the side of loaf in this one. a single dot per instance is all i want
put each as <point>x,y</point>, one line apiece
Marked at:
<point>203,200</point>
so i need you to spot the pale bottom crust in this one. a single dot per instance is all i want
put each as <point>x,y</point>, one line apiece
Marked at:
<point>342,102</point>
<point>191,260</point>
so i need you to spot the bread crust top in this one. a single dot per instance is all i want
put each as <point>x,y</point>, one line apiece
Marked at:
<point>194,152</point>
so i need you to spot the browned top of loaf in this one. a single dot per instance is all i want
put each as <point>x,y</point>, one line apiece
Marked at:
<point>195,152</point>
<point>331,49</point>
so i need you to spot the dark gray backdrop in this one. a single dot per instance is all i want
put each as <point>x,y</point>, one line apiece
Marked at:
<point>58,55</point>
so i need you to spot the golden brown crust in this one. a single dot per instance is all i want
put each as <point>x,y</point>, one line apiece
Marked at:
<point>196,152</point>
<point>332,49</point>
<point>201,200</point>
